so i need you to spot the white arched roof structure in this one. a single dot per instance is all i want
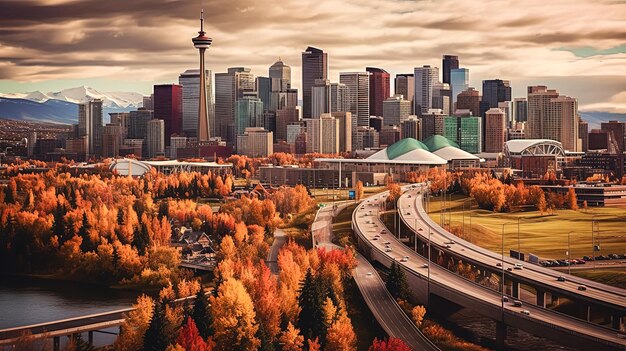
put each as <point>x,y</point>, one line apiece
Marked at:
<point>533,147</point>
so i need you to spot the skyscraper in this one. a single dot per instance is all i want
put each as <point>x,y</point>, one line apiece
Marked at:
<point>248,113</point>
<point>190,81</point>
<point>358,97</point>
<point>441,97</point>
<point>168,106</point>
<point>264,90</point>
<point>345,130</point>
<point>405,85</point>
<point>111,140</point>
<point>320,98</point>
<point>411,128</point>
<point>155,138</point>
<point>255,142</point>
<point>495,91</point>
<point>284,117</point>
<point>583,133</point>
<point>449,63</point>
<point>90,126</point>
<point>202,42</point>
<point>230,87</point>
<point>520,110</point>
<point>121,119</point>
<point>469,100</point>
<point>379,89</point>
<point>339,97</point>
<point>552,116</point>
<point>617,131</point>
<point>314,66</point>
<point>329,134</point>
<point>465,131</point>
<point>137,127</point>
<point>280,74</point>
<point>396,110</point>
<point>495,130</point>
<point>425,79</point>
<point>459,82</point>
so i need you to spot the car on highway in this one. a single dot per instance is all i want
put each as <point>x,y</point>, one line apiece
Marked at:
<point>424,265</point>
<point>451,242</point>
<point>498,264</point>
<point>388,249</point>
<point>404,259</point>
<point>582,288</point>
<point>387,243</point>
<point>518,266</point>
<point>526,312</point>
<point>369,274</point>
<point>448,246</point>
<point>517,303</point>
<point>560,278</point>
<point>505,299</point>
<point>375,238</point>
<point>510,269</point>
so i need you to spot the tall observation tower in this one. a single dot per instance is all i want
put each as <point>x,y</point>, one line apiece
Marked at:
<point>202,42</point>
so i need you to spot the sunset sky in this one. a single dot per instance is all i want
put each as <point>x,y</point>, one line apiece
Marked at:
<point>577,47</point>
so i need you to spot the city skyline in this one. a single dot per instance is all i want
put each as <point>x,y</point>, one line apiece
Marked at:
<point>103,46</point>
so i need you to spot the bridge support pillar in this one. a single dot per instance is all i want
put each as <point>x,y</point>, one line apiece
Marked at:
<point>541,298</point>
<point>90,337</point>
<point>515,287</point>
<point>617,322</point>
<point>500,335</point>
<point>588,313</point>
<point>56,343</point>
<point>554,298</point>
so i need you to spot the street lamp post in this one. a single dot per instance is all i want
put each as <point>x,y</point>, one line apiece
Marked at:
<point>519,245</point>
<point>502,266</point>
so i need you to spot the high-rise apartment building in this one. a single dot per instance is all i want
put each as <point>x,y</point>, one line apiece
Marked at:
<point>432,123</point>
<point>366,138</point>
<point>284,117</point>
<point>329,133</point>
<point>389,134</point>
<point>496,130</point>
<point>168,106</point>
<point>396,110</point>
<point>425,79</point>
<point>552,116</point>
<point>441,97</point>
<point>255,142</point>
<point>339,97</point>
<point>320,98</point>
<point>148,102</point>
<point>459,82</point>
<point>469,100</point>
<point>379,89</point>
<point>449,63</point>
<point>90,126</point>
<point>230,87</point>
<point>314,66</point>
<point>411,128</point>
<point>155,141</point>
<point>248,113</point>
<point>405,86</point>
<point>520,110</point>
<point>264,90</point>
<point>358,96</point>
<point>345,130</point>
<point>190,81</point>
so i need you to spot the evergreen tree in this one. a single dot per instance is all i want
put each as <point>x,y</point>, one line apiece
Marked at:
<point>87,244</point>
<point>266,340</point>
<point>396,282</point>
<point>80,344</point>
<point>156,338</point>
<point>202,315</point>
<point>141,239</point>
<point>311,300</point>
<point>58,225</point>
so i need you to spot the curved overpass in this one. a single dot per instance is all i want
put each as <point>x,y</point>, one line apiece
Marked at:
<point>374,239</point>
<point>542,279</point>
<point>383,306</point>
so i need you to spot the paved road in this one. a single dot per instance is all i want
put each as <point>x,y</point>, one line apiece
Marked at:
<point>383,306</point>
<point>280,237</point>
<point>543,322</point>
<point>414,215</point>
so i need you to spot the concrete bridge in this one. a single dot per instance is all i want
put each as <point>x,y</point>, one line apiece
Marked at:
<point>434,285</point>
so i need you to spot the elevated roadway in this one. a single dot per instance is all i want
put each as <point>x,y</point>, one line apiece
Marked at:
<point>428,281</point>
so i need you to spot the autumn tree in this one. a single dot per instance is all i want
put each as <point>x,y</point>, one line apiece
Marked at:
<point>189,338</point>
<point>136,322</point>
<point>359,190</point>
<point>391,344</point>
<point>571,199</point>
<point>234,318</point>
<point>417,315</point>
<point>341,335</point>
<point>290,339</point>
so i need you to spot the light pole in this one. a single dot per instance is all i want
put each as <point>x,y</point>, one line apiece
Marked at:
<point>569,263</point>
<point>502,266</point>
<point>519,245</point>
<point>470,217</point>
<point>428,274</point>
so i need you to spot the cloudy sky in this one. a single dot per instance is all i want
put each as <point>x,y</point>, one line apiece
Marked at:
<point>575,46</point>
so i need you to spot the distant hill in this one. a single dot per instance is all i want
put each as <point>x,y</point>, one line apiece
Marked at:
<point>62,107</point>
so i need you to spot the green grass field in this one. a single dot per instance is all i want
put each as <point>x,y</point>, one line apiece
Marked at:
<point>543,235</point>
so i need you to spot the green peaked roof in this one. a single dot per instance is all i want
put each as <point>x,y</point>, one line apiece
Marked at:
<point>436,142</point>
<point>403,146</point>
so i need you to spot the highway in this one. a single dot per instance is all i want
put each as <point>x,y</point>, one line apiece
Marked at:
<point>539,321</point>
<point>413,214</point>
<point>383,306</point>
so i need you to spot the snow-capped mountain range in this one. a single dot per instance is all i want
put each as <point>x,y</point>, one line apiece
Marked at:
<point>83,94</point>
<point>61,107</point>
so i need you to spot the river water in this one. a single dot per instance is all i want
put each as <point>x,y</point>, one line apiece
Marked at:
<point>26,301</point>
